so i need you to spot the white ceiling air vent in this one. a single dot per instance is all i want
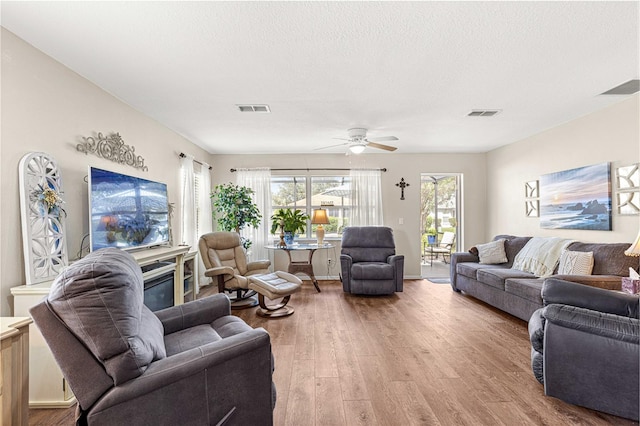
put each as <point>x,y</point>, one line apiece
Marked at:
<point>628,88</point>
<point>483,112</point>
<point>254,108</point>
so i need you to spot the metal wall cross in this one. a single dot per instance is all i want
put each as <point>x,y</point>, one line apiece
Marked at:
<point>402,184</point>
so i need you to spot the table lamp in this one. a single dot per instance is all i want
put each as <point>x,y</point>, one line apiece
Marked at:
<point>320,218</point>
<point>634,249</point>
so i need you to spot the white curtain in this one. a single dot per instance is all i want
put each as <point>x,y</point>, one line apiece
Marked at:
<point>258,179</point>
<point>187,201</point>
<point>366,198</point>
<point>205,217</point>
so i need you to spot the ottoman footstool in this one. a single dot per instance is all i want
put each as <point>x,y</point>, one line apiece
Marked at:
<point>273,286</point>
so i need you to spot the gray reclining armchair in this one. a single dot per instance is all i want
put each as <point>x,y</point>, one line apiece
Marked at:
<point>368,261</point>
<point>585,347</point>
<point>193,364</point>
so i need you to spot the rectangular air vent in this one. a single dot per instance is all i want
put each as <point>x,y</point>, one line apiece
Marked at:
<point>628,88</point>
<point>483,112</point>
<point>253,108</point>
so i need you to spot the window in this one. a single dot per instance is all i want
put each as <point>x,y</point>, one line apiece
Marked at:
<point>307,193</point>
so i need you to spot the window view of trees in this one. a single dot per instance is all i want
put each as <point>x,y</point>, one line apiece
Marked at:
<point>311,192</point>
<point>438,205</point>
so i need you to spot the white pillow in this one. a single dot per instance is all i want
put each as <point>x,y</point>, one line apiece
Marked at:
<point>576,263</point>
<point>492,253</point>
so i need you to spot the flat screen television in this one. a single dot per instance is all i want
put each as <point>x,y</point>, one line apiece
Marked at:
<point>126,211</point>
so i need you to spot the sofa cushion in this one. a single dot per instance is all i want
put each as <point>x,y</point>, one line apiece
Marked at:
<point>512,247</point>
<point>492,253</point>
<point>495,277</point>
<point>527,288</point>
<point>100,298</point>
<point>470,269</point>
<point>576,263</point>
<point>608,258</point>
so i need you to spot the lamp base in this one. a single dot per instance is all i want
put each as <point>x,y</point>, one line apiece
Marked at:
<point>320,234</point>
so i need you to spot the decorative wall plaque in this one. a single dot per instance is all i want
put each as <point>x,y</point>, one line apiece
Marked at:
<point>113,148</point>
<point>43,218</point>
<point>628,189</point>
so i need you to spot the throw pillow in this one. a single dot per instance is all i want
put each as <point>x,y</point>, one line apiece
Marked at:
<point>576,263</point>
<point>492,253</point>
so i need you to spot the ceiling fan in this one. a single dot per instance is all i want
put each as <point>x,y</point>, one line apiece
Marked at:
<point>358,141</point>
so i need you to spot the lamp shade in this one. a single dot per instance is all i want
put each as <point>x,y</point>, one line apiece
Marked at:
<point>320,217</point>
<point>634,249</point>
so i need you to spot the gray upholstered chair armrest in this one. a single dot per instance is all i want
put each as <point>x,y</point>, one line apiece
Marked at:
<point>244,346</point>
<point>258,264</point>
<point>346,262</point>
<point>459,257</point>
<point>218,270</point>
<point>584,296</point>
<point>536,330</point>
<point>197,312</point>
<point>609,282</point>
<point>603,324</point>
<point>395,259</point>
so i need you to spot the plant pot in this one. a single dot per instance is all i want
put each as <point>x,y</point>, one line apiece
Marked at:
<point>431,239</point>
<point>288,237</point>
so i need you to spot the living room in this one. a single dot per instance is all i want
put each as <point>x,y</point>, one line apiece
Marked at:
<point>48,107</point>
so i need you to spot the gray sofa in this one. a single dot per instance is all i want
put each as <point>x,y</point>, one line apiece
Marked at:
<point>585,347</point>
<point>519,293</point>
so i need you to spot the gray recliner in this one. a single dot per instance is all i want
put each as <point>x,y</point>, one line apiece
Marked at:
<point>189,364</point>
<point>368,261</point>
<point>585,347</point>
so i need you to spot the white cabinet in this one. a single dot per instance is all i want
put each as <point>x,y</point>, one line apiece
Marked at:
<point>47,387</point>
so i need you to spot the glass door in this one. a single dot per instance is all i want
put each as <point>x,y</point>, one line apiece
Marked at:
<point>440,196</point>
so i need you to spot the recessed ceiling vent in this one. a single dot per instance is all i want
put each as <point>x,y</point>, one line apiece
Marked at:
<point>254,108</point>
<point>628,88</point>
<point>483,113</point>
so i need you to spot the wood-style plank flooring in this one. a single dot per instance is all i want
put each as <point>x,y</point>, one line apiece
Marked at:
<point>427,356</point>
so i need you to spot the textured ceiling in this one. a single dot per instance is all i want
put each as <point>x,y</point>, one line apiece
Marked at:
<point>413,70</point>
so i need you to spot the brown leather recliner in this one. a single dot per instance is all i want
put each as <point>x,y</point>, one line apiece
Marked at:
<point>224,258</point>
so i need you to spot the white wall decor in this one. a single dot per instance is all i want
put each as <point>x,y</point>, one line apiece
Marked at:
<point>628,189</point>
<point>532,202</point>
<point>43,218</point>
<point>113,148</point>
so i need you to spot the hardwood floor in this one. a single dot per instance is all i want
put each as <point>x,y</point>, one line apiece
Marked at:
<point>426,356</point>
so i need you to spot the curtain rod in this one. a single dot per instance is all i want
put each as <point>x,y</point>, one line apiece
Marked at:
<point>183,155</point>
<point>315,169</point>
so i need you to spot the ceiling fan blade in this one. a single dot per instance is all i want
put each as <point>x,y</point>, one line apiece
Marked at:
<point>380,146</point>
<point>331,146</point>
<point>383,139</point>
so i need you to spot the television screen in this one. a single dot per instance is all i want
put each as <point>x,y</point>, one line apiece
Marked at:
<point>126,212</point>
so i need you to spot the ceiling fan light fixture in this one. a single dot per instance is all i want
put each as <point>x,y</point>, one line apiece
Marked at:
<point>357,148</point>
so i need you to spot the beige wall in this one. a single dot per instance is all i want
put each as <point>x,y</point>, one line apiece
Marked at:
<point>46,107</point>
<point>407,166</point>
<point>609,135</point>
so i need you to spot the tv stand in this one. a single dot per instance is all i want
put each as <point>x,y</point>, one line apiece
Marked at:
<point>47,387</point>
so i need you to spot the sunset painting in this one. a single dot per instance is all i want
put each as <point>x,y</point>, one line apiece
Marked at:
<point>577,198</point>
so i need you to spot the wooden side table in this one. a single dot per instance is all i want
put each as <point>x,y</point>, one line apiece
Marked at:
<point>14,379</point>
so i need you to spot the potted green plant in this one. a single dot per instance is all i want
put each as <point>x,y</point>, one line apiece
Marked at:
<point>235,209</point>
<point>292,221</point>
<point>431,236</point>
